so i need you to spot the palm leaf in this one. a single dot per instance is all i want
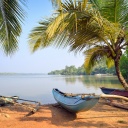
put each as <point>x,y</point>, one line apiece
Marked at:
<point>11,17</point>
<point>114,10</point>
<point>37,37</point>
<point>109,62</point>
<point>56,3</point>
<point>93,55</point>
<point>77,28</point>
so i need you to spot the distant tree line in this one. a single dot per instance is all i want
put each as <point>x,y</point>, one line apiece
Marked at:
<point>72,70</point>
<point>69,70</point>
<point>100,68</point>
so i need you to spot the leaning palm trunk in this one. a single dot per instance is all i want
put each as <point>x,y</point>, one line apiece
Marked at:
<point>113,96</point>
<point>119,75</point>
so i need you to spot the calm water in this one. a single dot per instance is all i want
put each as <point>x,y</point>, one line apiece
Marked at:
<point>39,87</point>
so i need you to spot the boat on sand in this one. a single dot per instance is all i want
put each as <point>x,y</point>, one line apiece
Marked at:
<point>113,91</point>
<point>75,102</point>
<point>79,102</point>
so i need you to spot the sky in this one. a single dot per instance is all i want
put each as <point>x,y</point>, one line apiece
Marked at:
<point>41,61</point>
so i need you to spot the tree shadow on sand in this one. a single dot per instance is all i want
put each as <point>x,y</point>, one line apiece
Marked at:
<point>54,114</point>
<point>59,117</point>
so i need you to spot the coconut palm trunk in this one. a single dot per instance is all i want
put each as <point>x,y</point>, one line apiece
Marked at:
<point>119,75</point>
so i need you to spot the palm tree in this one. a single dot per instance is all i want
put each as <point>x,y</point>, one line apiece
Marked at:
<point>11,17</point>
<point>98,28</point>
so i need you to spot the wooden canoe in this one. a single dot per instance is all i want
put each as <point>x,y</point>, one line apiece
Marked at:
<point>120,92</point>
<point>75,102</point>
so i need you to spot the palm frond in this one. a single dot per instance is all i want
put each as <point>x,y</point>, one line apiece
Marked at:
<point>114,10</point>
<point>53,26</point>
<point>109,62</point>
<point>56,3</point>
<point>93,55</point>
<point>11,15</point>
<point>84,4</point>
<point>37,37</point>
<point>77,28</point>
<point>61,24</point>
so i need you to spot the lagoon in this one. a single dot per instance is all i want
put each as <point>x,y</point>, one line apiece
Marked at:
<point>39,87</point>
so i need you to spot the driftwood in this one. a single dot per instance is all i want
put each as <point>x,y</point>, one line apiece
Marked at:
<point>114,103</point>
<point>111,101</point>
<point>13,100</point>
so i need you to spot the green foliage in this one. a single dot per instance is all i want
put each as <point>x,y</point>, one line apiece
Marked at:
<point>98,28</point>
<point>124,64</point>
<point>101,68</point>
<point>81,70</point>
<point>69,70</point>
<point>84,26</point>
<point>11,17</point>
<point>72,70</point>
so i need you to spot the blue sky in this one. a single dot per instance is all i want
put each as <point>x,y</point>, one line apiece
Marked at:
<point>42,61</point>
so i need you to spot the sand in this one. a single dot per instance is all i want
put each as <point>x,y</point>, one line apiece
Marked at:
<point>50,116</point>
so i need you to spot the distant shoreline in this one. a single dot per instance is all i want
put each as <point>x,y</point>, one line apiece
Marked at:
<point>23,73</point>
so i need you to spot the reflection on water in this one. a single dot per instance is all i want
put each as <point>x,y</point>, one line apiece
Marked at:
<point>39,87</point>
<point>95,81</point>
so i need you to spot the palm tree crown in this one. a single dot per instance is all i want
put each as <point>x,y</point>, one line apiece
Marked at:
<point>88,27</point>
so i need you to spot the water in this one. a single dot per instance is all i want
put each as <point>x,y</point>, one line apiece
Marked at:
<point>39,87</point>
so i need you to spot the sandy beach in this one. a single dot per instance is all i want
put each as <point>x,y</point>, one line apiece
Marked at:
<point>50,116</point>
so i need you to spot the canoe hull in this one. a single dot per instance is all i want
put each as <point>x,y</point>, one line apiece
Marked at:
<point>113,91</point>
<point>75,104</point>
<point>107,90</point>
